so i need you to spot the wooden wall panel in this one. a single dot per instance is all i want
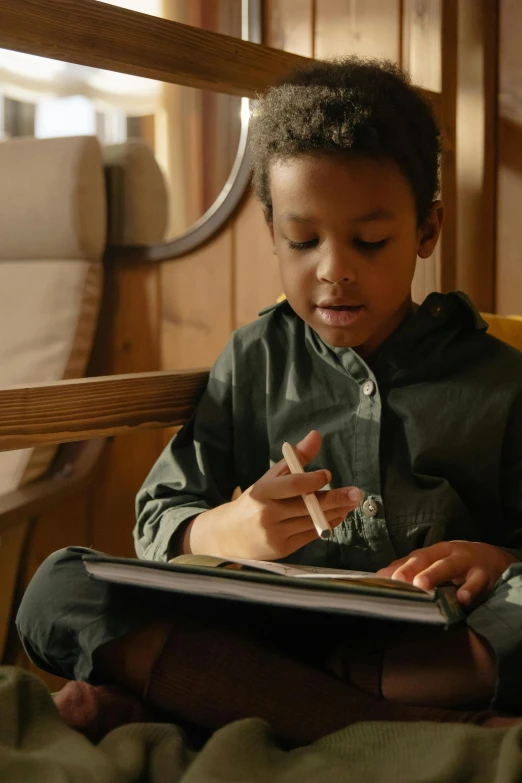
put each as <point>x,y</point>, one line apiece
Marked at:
<point>421,42</point>
<point>476,141</point>
<point>196,317</point>
<point>256,281</point>
<point>509,248</point>
<point>289,25</point>
<point>128,341</point>
<point>421,57</point>
<point>447,262</point>
<point>368,28</point>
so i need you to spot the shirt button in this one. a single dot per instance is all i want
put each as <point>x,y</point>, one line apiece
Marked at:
<point>370,507</point>
<point>368,388</point>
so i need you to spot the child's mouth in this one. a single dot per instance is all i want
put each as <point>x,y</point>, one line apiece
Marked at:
<point>340,315</point>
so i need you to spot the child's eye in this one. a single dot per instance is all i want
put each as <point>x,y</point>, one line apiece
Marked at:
<point>302,245</point>
<point>368,247</point>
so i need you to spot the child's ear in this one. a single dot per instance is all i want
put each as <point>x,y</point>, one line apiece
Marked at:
<point>429,232</point>
<point>270,223</point>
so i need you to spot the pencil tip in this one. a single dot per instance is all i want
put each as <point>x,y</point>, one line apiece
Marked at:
<point>326,533</point>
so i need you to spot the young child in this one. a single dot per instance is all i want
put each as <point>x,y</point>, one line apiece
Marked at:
<point>409,419</point>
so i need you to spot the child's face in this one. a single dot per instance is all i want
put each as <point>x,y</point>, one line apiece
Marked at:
<point>346,235</point>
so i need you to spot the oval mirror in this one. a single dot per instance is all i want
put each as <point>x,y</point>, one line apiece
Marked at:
<point>198,136</point>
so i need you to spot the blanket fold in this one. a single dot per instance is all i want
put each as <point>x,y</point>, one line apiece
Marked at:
<point>37,747</point>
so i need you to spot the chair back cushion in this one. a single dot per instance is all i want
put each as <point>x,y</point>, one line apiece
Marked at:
<point>137,195</point>
<point>52,237</point>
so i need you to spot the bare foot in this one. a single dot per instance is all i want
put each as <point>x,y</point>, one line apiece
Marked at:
<point>94,710</point>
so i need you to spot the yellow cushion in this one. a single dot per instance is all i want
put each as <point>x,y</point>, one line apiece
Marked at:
<point>507,328</point>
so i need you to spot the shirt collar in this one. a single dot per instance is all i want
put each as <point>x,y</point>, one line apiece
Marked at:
<point>417,343</point>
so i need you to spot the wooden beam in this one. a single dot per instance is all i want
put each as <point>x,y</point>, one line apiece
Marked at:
<point>92,33</point>
<point>477,91</point>
<point>66,411</point>
<point>448,121</point>
<point>100,35</point>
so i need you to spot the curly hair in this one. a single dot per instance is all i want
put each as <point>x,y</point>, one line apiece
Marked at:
<point>362,107</point>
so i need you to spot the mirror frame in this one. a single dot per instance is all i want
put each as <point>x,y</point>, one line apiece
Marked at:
<point>217,215</point>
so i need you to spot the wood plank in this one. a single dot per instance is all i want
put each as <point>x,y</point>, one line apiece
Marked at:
<point>508,255</point>
<point>367,28</point>
<point>76,467</point>
<point>421,58</point>
<point>88,408</point>
<point>290,26</point>
<point>448,120</point>
<point>128,341</point>
<point>257,280</point>
<point>92,33</point>
<point>197,305</point>
<point>12,545</point>
<point>476,150</point>
<point>421,42</point>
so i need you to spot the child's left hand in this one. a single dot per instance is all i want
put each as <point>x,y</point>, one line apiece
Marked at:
<point>474,566</point>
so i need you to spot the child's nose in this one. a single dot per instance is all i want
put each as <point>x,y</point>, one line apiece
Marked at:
<point>336,265</point>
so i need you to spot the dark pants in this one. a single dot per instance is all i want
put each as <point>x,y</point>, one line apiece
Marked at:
<point>65,616</point>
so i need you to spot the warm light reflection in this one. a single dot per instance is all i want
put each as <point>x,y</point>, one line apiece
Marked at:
<point>150,7</point>
<point>30,65</point>
<point>122,83</point>
<point>44,69</point>
<point>245,110</point>
<point>72,116</point>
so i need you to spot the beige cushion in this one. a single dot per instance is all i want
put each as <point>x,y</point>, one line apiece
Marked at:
<point>137,195</point>
<point>49,301</point>
<point>52,199</point>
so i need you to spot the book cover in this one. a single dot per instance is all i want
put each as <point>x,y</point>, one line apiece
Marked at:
<point>283,584</point>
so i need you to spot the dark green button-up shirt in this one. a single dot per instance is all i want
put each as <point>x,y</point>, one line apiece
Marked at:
<point>430,429</point>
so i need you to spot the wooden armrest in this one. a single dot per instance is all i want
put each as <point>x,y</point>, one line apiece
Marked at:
<point>87,408</point>
<point>73,469</point>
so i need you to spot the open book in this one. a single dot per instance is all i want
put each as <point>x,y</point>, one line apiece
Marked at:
<point>283,584</point>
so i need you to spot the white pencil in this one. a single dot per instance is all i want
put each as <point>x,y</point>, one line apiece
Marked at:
<point>312,503</point>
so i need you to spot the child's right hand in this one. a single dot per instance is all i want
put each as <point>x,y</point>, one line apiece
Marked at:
<point>269,520</point>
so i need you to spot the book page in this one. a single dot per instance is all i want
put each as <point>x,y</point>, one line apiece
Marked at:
<point>290,569</point>
<point>338,574</point>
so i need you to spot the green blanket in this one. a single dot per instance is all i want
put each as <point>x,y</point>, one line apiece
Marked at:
<point>36,747</point>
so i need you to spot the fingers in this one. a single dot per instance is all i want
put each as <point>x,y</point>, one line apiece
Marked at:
<point>452,567</point>
<point>305,537</point>
<point>407,568</point>
<point>301,524</point>
<point>309,447</point>
<point>470,564</point>
<point>292,486</point>
<point>306,449</point>
<point>475,587</point>
<point>346,498</point>
<point>300,540</point>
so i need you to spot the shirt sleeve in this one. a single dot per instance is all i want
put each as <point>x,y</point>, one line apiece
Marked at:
<point>511,483</point>
<point>195,472</point>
